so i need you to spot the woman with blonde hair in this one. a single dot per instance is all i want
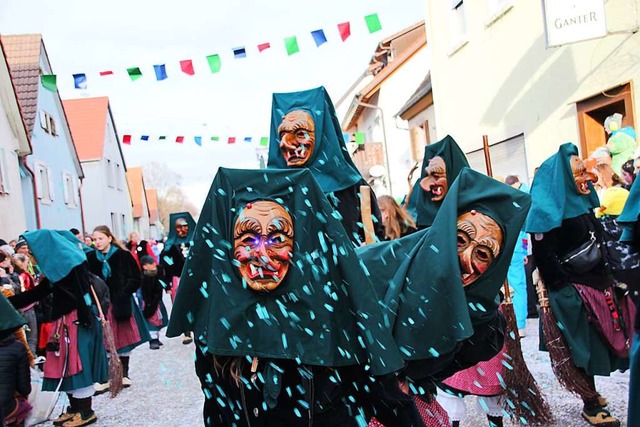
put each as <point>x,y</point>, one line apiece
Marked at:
<point>396,220</point>
<point>114,264</point>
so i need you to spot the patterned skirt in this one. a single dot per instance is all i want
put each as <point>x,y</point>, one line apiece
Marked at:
<point>129,333</point>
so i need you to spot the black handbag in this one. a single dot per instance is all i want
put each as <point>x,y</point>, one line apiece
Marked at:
<point>583,258</point>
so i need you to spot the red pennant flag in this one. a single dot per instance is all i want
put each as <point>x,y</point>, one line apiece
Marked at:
<point>231,140</point>
<point>179,139</point>
<point>106,73</point>
<point>187,67</point>
<point>263,46</point>
<point>345,30</point>
<point>126,139</point>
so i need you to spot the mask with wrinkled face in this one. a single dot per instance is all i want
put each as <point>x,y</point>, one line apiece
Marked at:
<point>479,244</point>
<point>297,137</point>
<point>435,181</point>
<point>182,227</point>
<point>263,244</point>
<point>581,176</point>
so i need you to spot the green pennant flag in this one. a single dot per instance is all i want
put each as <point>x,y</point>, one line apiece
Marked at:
<point>215,138</point>
<point>359,138</point>
<point>162,138</point>
<point>49,82</point>
<point>134,73</point>
<point>214,63</point>
<point>291,43</point>
<point>264,141</point>
<point>373,23</point>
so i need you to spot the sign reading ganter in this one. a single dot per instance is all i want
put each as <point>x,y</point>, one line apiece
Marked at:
<point>569,21</point>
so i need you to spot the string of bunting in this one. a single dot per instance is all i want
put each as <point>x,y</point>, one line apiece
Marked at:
<point>357,137</point>
<point>214,61</point>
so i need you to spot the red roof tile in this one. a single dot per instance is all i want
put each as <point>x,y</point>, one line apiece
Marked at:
<point>136,189</point>
<point>88,122</point>
<point>23,57</point>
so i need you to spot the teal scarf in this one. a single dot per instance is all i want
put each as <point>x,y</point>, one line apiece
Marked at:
<point>106,268</point>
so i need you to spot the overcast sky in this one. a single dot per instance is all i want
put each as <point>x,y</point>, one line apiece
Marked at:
<point>87,37</point>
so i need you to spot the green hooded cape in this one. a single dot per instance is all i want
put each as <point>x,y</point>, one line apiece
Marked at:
<point>10,319</point>
<point>173,238</point>
<point>56,254</point>
<point>554,193</point>
<point>420,205</point>
<point>330,162</point>
<point>418,277</point>
<point>628,219</point>
<point>323,313</point>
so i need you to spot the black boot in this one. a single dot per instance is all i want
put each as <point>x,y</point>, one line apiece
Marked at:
<point>494,421</point>
<point>455,423</point>
<point>126,382</point>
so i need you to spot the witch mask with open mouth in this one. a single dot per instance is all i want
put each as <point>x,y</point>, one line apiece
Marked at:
<point>297,137</point>
<point>435,180</point>
<point>581,176</point>
<point>263,244</point>
<point>479,244</point>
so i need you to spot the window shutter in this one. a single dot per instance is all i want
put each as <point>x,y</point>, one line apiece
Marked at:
<point>65,188</point>
<point>44,122</point>
<point>507,157</point>
<point>4,180</point>
<point>52,188</point>
<point>38,178</point>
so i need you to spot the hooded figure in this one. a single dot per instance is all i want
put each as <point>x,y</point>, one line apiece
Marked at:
<point>442,163</point>
<point>566,241</point>
<point>305,133</point>
<point>275,294</point>
<point>76,357</point>
<point>181,230</point>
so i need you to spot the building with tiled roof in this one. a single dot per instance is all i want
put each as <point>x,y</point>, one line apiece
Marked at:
<point>105,193</point>
<point>155,225</point>
<point>51,175</point>
<point>14,145</point>
<point>139,201</point>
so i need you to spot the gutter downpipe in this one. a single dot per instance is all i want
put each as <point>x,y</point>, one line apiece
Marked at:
<point>35,190</point>
<point>384,137</point>
<point>84,228</point>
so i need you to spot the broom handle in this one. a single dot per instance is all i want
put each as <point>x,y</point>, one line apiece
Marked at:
<point>507,294</point>
<point>95,297</point>
<point>365,212</point>
<point>543,296</point>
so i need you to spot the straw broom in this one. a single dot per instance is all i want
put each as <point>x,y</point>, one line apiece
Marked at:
<point>569,375</point>
<point>115,366</point>
<point>522,399</point>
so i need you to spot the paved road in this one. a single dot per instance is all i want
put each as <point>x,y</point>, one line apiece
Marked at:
<point>166,392</point>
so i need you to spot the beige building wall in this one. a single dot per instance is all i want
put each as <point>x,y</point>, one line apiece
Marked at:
<point>501,80</point>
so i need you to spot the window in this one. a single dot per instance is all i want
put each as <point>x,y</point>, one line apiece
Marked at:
<point>48,123</point>
<point>69,189</point>
<point>44,183</point>
<point>4,175</point>
<point>109,174</point>
<point>458,23</point>
<point>114,224</point>
<point>508,157</point>
<point>419,138</point>
<point>496,9</point>
<point>118,177</point>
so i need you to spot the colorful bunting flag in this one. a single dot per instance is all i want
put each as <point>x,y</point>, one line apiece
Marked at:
<point>239,52</point>
<point>106,73</point>
<point>80,81</point>
<point>214,63</point>
<point>49,82</point>
<point>187,67</point>
<point>319,37</point>
<point>215,138</point>
<point>264,141</point>
<point>247,139</point>
<point>144,138</point>
<point>126,139</point>
<point>231,140</point>
<point>134,73</point>
<point>373,22</point>
<point>345,30</point>
<point>263,46</point>
<point>179,139</point>
<point>161,71</point>
<point>198,140</point>
<point>162,138</point>
<point>360,138</point>
<point>291,43</point>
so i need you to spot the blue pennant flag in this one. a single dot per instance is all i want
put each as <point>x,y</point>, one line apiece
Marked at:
<point>319,37</point>
<point>144,137</point>
<point>247,139</point>
<point>239,52</point>
<point>198,140</point>
<point>80,81</point>
<point>161,72</point>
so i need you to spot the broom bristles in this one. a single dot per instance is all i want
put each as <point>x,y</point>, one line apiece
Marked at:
<point>115,366</point>
<point>523,399</point>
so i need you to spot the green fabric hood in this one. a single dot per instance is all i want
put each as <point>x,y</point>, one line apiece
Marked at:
<point>420,206</point>
<point>554,193</point>
<point>55,254</point>
<point>330,163</point>
<point>628,219</point>
<point>418,277</point>
<point>10,319</point>
<point>323,313</point>
<point>173,238</point>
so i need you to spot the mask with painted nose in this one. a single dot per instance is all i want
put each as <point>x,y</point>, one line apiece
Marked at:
<point>479,240</point>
